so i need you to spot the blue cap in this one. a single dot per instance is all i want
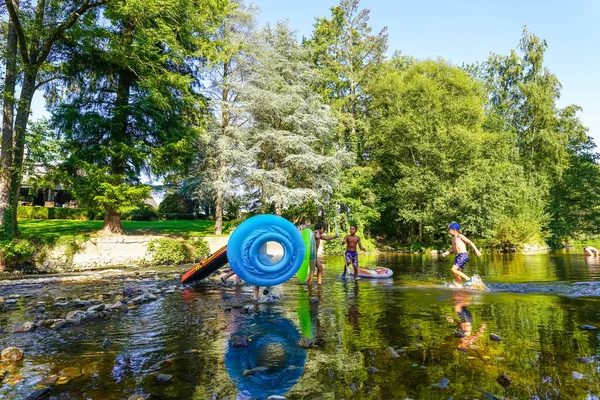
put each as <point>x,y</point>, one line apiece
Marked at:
<point>455,226</point>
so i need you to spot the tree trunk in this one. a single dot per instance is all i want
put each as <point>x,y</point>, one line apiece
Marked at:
<point>219,213</point>
<point>6,156</point>
<point>112,223</point>
<point>112,218</point>
<point>278,209</point>
<point>23,110</point>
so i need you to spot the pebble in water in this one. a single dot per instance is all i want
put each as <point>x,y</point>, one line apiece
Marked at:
<point>372,370</point>
<point>577,375</point>
<point>106,343</point>
<point>391,352</point>
<point>585,360</point>
<point>139,397</point>
<point>589,327</point>
<point>495,337</point>
<point>164,378</point>
<point>306,343</point>
<point>38,394</point>
<point>443,384</point>
<point>11,354</point>
<point>240,341</point>
<point>504,380</point>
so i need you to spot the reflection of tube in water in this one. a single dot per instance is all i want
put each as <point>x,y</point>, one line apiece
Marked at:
<point>272,363</point>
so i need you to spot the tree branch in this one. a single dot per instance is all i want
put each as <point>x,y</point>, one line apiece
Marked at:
<point>72,20</point>
<point>12,12</point>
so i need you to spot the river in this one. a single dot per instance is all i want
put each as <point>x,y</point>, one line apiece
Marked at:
<point>406,337</point>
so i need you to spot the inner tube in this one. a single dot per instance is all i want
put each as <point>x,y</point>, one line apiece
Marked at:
<point>307,268</point>
<point>245,250</point>
<point>376,273</point>
<point>272,362</point>
<point>206,267</point>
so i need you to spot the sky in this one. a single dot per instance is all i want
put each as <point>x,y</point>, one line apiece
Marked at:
<point>466,31</point>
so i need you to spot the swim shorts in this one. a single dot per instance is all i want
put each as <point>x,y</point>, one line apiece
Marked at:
<point>465,315</point>
<point>461,259</point>
<point>352,257</point>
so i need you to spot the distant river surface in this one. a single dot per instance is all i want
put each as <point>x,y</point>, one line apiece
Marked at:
<point>405,337</point>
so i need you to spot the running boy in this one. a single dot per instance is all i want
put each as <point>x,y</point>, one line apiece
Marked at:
<point>460,248</point>
<point>318,237</point>
<point>352,241</point>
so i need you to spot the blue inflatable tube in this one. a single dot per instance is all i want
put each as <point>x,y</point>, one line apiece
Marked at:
<point>246,250</point>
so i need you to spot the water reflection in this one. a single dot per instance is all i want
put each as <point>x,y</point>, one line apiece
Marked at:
<point>272,362</point>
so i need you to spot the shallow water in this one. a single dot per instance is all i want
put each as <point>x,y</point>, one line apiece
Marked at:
<point>536,306</point>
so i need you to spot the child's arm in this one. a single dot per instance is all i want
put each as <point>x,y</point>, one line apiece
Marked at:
<point>360,246</point>
<point>344,241</point>
<point>467,241</point>
<point>323,237</point>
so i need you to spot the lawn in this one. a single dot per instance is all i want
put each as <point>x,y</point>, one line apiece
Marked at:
<point>54,229</point>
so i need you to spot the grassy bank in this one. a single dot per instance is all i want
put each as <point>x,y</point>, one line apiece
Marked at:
<point>54,230</point>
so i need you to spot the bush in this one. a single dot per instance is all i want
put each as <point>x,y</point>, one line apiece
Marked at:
<point>144,212</point>
<point>168,251</point>
<point>175,204</point>
<point>176,216</point>
<point>229,226</point>
<point>31,212</point>
<point>17,252</point>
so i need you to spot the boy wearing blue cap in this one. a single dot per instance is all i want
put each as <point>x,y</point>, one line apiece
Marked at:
<point>459,247</point>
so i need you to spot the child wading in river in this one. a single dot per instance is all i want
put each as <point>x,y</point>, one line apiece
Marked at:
<point>318,237</point>
<point>459,247</point>
<point>352,241</point>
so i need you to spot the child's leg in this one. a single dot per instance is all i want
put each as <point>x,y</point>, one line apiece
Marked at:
<point>319,271</point>
<point>256,290</point>
<point>355,265</point>
<point>458,274</point>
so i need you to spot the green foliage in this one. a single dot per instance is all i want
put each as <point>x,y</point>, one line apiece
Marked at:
<point>143,212</point>
<point>30,212</point>
<point>176,216</point>
<point>176,203</point>
<point>17,252</point>
<point>168,251</point>
<point>335,247</point>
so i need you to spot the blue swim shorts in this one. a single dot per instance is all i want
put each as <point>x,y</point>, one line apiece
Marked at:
<point>461,259</point>
<point>352,257</point>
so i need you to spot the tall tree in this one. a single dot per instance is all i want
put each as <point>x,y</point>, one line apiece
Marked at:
<point>292,132</point>
<point>348,55</point>
<point>127,104</point>
<point>37,27</point>
<point>223,157</point>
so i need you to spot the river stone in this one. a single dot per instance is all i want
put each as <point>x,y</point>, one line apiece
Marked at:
<point>314,300</point>
<point>62,304</point>
<point>306,343</point>
<point>115,306</point>
<point>41,310</point>
<point>589,327</point>
<point>495,337</point>
<point>372,370</point>
<point>443,384</point>
<point>11,354</point>
<point>49,381</point>
<point>39,394</point>
<point>139,299</point>
<point>61,323</point>
<point>14,296</point>
<point>391,352</point>
<point>504,380</point>
<point>585,360</point>
<point>27,327</point>
<point>164,378</point>
<point>139,397</point>
<point>11,301</point>
<point>240,341</point>
<point>577,375</point>
<point>253,371</point>
<point>106,343</point>
<point>98,308</point>
<point>46,323</point>
<point>275,397</point>
<point>76,316</point>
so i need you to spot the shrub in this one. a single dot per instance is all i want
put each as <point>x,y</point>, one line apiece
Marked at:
<point>229,226</point>
<point>168,251</point>
<point>144,212</point>
<point>175,203</point>
<point>335,247</point>
<point>17,252</point>
<point>31,212</point>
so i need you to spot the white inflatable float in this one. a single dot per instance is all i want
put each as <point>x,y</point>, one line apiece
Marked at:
<point>375,273</point>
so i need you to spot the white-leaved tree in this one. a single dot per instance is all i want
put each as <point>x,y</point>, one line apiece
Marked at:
<point>293,130</point>
<point>223,158</point>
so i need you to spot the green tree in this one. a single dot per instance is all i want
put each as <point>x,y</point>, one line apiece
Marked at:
<point>126,104</point>
<point>293,130</point>
<point>348,56</point>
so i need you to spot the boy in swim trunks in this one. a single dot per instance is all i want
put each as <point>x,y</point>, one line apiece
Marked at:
<point>318,237</point>
<point>590,251</point>
<point>460,249</point>
<point>352,241</point>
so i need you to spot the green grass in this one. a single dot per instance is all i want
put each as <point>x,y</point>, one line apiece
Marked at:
<point>54,229</point>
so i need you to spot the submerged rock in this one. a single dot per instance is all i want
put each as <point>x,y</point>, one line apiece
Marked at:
<point>106,343</point>
<point>240,341</point>
<point>443,384</point>
<point>61,323</point>
<point>585,360</point>
<point>589,327</point>
<point>139,397</point>
<point>504,380</point>
<point>495,337</point>
<point>372,370</point>
<point>164,378</point>
<point>27,327</point>
<point>306,343</point>
<point>39,394</point>
<point>577,375</point>
<point>97,308</point>
<point>11,354</point>
<point>391,352</point>
<point>76,316</point>
<point>49,381</point>
<point>314,300</point>
<point>255,370</point>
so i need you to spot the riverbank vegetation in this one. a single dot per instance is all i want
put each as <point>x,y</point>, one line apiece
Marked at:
<point>238,119</point>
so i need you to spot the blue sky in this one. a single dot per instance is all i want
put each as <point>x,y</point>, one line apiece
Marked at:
<point>468,30</point>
